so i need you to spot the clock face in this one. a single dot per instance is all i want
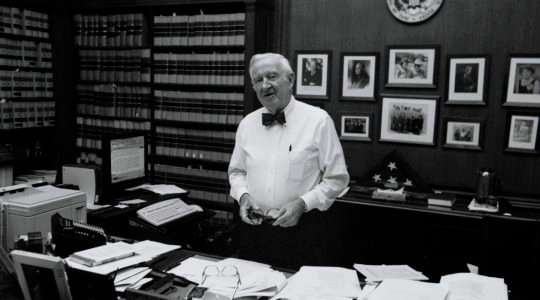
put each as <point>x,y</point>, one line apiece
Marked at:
<point>413,11</point>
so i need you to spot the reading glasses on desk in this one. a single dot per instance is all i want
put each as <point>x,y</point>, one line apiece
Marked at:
<point>225,279</point>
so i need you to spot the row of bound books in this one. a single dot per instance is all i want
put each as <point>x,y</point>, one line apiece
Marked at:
<point>15,115</point>
<point>15,84</point>
<point>213,69</point>
<point>91,130</point>
<point>194,144</point>
<point>110,101</point>
<point>206,185</point>
<point>205,107</point>
<point>21,53</point>
<point>26,22</point>
<point>115,65</point>
<point>200,30</point>
<point>120,30</point>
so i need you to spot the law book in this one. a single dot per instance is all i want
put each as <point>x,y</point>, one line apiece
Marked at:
<point>103,254</point>
<point>442,199</point>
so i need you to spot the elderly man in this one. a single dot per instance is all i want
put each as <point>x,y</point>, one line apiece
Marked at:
<point>287,159</point>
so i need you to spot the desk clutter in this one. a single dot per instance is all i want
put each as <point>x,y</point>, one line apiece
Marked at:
<point>154,270</point>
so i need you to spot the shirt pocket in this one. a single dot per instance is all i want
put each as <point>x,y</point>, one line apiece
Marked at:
<point>301,163</point>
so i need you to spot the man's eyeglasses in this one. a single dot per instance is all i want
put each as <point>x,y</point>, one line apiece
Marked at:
<point>256,216</point>
<point>226,278</point>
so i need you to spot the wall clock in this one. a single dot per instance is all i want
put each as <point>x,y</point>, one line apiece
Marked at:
<point>413,11</point>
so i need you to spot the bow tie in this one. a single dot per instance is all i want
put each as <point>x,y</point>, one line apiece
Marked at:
<point>268,119</point>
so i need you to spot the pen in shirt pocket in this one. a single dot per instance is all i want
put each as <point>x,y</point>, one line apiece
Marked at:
<point>290,147</point>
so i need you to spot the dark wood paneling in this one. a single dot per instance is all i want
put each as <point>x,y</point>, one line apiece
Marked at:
<point>494,27</point>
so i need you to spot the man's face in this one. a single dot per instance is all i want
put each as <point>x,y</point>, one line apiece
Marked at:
<point>271,84</point>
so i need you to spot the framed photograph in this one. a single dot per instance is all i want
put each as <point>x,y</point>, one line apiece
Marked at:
<point>41,276</point>
<point>522,131</point>
<point>356,127</point>
<point>359,76</point>
<point>408,120</point>
<point>523,84</point>
<point>412,66</point>
<point>467,79</point>
<point>463,134</point>
<point>312,68</point>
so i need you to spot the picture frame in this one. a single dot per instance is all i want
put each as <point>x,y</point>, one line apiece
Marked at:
<point>462,133</point>
<point>412,66</point>
<point>357,127</point>
<point>522,132</point>
<point>312,70</point>
<point>408,119</point>
<point>41,273</point>
<point>359,71</point>
<point>467,79</point>
<point>523,80</point>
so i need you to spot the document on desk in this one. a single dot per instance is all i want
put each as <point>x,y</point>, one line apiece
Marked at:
<point>374,273</point>
<point>321,283</point>
<point>144,252</point>
<point>464,286</point>
<point>403,289</point>
<point>160,189</point>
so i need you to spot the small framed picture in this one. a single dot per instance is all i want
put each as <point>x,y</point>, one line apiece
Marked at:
<point>312,68</point>
<point>463,134</point>
<point>356,127</point>
<point>408,120</point>
<point>523,85</point>
<point>522,129</point>
<point>467,79</point>
<point>41,276</point>
<point>359,76</point>
<point>412,66</point>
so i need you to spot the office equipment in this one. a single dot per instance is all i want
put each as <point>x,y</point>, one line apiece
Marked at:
<point>86,177</point>
<point>41,276</point>
<point>124,163</point>
<point>29,209</point>
<point>70,236</point>
<point>86,285</point>
<point>167,211</point>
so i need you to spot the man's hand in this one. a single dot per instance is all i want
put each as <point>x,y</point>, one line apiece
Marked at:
<point>247,204</point>
<point>289,214</point>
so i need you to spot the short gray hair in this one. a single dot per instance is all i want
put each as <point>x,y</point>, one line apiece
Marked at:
<point>284,62</point>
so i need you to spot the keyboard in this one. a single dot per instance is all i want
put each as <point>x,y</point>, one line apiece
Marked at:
<point>167,211</point>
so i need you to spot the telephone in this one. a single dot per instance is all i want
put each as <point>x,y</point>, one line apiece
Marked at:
<point>71,236</point>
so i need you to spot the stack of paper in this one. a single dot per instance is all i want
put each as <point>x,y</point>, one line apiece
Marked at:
<point>322,283</point>
<point>473,286</point>
<point>403,289</point>
<point>375,273</point>
<point>255,279</point>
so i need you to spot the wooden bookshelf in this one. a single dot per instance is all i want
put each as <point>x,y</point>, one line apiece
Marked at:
<point>195,89</point>
<point>27,103</point>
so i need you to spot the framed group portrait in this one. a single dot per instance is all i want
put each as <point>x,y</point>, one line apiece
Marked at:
<point>359,76</point>
<point>467,79</point>
<point>523,84</point>
<point>412,66</point>
<point>408,119</point>
<point>356,126</point>
<point>463,133</point>
<point>312,69</point>
<point>522,132</point>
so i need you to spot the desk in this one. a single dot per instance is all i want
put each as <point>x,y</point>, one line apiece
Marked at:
<point>436,241</point>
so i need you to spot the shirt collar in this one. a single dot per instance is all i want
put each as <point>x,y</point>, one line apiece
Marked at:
<point>288,109</point>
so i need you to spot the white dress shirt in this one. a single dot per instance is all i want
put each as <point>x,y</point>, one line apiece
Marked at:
<point>277,164</point>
